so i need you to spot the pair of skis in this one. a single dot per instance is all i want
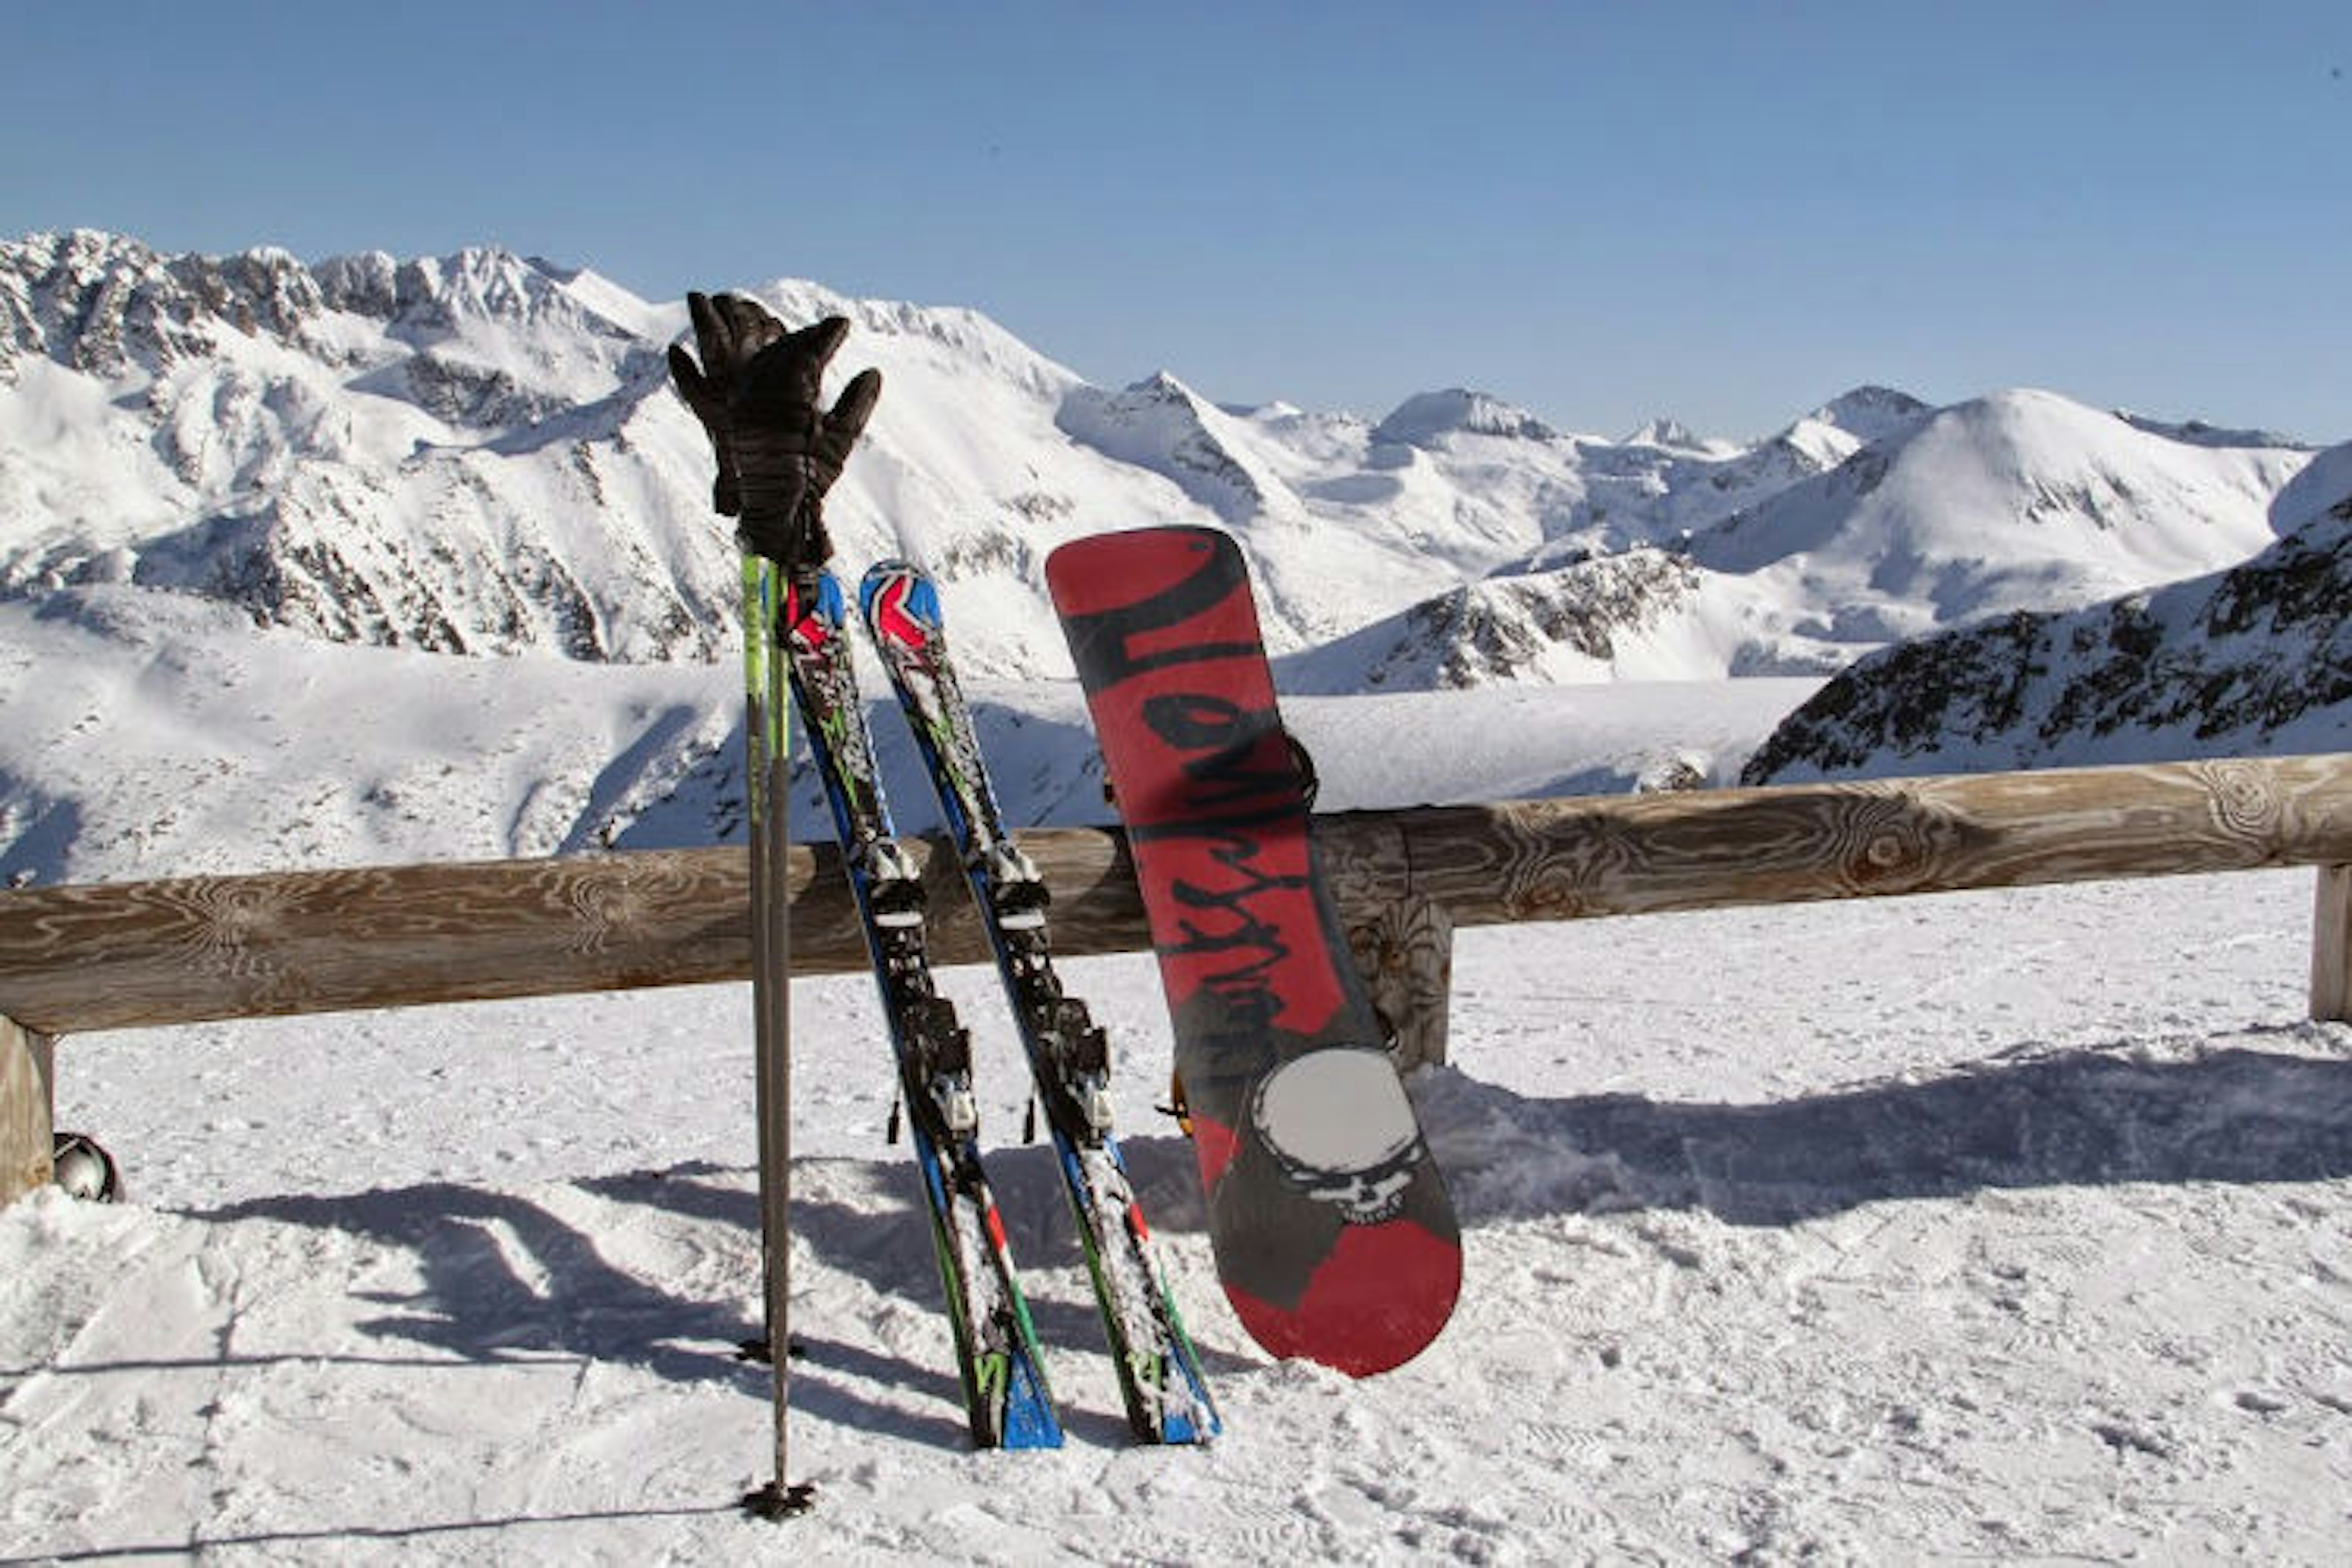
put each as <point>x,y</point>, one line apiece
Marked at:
<point>1008,1400</point>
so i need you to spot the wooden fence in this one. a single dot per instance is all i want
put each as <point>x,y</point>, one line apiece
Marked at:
<point>114,955</point>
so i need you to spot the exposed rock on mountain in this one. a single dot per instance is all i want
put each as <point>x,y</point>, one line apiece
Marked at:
<point>1583,623</point>
<point>447,454</point>
<point>2252,660</point>
<point>1423,420</point>
<point>479,454</point>
<point>2020,502</point>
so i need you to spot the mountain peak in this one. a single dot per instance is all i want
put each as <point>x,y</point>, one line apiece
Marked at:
<point>432,294</point>
<point>1676,438</point>
<point>104,302</point>
<point>1426,418</point>
<point>2021,500</point>
<point>1870,412</point>
<point>1160,424</point>
<point>1663,431</point>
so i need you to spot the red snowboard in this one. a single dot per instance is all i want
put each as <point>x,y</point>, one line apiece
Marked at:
<point>1333,1234</point>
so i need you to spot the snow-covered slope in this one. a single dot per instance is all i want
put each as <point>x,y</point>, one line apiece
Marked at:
<point>2020,500</point>
<point>1931,519</point>
<point>153,735</point>
<point>2011,1226</point>
<point>2257,659</point>
<point>456,455</point>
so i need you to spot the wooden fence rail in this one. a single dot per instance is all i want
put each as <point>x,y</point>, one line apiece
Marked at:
<point>112,955</point>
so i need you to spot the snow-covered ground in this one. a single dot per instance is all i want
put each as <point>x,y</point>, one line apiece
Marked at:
<point>2013,1225</point>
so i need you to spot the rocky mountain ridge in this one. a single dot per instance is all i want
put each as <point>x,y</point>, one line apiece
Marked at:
<point>479,454</point>
<point>2022,501</point>
<point>2256,658</point>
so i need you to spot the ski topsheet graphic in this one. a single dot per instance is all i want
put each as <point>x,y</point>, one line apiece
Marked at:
<point>1160,1376</point>
<point>1007,1399</point>
<point>1333,1234</point>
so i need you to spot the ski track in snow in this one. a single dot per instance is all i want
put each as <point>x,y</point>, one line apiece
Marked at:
<point>2009,1225</point>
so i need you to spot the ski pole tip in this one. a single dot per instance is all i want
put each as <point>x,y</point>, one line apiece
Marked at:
<point>777,1500</point>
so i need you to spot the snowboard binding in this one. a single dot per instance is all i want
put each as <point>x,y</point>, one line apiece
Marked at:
<point>1302,763</point>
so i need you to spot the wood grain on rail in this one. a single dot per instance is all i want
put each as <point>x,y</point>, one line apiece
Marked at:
<point>1563,859</point>
<point>110,955</point>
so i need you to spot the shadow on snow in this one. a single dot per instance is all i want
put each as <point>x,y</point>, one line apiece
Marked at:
<point>2080,1118</point>
<point>2075,1118</point>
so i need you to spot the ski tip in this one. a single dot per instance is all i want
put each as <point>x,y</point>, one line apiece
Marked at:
<point>819,600</point>
<point>900,603</point>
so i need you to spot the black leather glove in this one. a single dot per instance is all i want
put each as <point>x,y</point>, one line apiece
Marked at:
<point>756,393</point>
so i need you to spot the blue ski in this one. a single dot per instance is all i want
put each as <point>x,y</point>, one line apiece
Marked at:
<point>1006,1396</point>
<point>1160,1376</point>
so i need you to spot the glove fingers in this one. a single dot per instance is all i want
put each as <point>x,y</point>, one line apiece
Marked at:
<point>688,377</point>
<point>850,412</point>
<point>816,343</point>
<point>748,325</point>
<point>710,330</point>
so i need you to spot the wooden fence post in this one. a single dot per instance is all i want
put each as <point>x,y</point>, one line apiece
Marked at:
<point>1402,939</point>
<point>27,1109</point>
<point>2331,947</point>
<point>1405,953</point>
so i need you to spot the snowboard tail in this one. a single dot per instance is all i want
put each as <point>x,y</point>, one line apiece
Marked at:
<point>1334,1236</point>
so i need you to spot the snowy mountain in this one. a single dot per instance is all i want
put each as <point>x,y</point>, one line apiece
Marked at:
<point>2257,659</point>
<point>157,735</point>
<point>1909,520</point>
<point>461,456</point>
<point>2011,1226</point>
<point>251,510</point>
<point>479,454</point>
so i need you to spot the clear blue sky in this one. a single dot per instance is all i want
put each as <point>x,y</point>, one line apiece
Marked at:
<point>1726,211</point>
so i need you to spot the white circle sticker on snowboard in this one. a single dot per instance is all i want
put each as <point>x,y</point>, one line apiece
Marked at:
<point>1338,1123</point>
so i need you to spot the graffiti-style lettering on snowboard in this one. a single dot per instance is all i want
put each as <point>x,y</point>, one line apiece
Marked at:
<point>1333,1234</point>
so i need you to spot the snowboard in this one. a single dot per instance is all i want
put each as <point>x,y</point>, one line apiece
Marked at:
<point>1334,1238</point>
